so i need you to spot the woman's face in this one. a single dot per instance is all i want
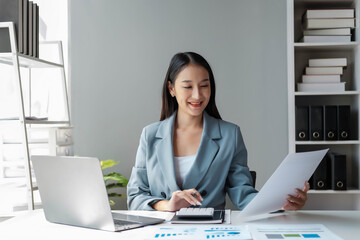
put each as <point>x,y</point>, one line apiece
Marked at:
<point>192,90</point>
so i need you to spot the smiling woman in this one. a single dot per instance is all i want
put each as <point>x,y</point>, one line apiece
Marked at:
<point>192,157</point>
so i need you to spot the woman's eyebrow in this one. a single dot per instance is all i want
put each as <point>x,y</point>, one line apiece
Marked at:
<point>187,81</point>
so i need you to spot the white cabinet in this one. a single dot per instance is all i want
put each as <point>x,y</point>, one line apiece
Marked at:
<point>298,54</point>
<point>24,134</point>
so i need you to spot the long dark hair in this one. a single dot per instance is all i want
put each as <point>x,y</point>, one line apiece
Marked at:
<point>177,64</point>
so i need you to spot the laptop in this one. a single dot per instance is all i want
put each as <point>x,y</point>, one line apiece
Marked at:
<point>73,192</point>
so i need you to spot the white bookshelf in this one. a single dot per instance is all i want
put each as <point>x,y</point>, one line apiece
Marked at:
<point>298,54</point>
<point>19,137</point>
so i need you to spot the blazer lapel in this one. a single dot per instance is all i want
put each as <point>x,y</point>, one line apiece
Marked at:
<point>165,152</point>
<point>206,153</point>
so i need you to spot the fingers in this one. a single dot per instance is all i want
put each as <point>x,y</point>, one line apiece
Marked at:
<point>196,194</point>
<point>192,196</point>
<point>298,201</point>
<point>306,186</point>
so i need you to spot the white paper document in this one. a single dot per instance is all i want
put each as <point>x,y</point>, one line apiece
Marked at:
<point>180,232</point>
<point>292,231</point>
<point>292,173</point>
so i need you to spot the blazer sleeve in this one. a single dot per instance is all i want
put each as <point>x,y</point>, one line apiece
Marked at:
<point>138,192</point>
<point>239,181</point>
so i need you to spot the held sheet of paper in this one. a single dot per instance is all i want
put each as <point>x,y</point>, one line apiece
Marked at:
<point>292,173</point>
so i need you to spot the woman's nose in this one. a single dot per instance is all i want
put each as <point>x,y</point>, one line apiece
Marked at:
<point>196,93</point>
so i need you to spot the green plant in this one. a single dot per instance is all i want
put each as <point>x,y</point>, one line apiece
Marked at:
<point>113,180</point>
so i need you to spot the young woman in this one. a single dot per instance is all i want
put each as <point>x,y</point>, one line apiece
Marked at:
<point>192,157</point>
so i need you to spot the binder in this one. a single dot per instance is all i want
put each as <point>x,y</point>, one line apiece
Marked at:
<point>311,182</point>
<point>302,123</point>
<point>30,28</point>
<point>344,122</point>
<point>321,175</point>
<point>11,11</point>
<point>316,123</point>
<point>330,123</point>
<point>338,171</point>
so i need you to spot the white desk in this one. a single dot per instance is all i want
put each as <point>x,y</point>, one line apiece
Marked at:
<point>33,225</point>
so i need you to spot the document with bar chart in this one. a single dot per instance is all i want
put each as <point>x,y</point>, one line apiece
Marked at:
<point>214,232</point>
<point>291,231</point>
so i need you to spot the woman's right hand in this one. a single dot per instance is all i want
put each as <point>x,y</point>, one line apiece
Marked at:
<point>179,199</point>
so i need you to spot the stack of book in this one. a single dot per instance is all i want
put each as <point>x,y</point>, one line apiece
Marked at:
<point>25,16</point>
<point>328,25</point>
<point>323,75</point>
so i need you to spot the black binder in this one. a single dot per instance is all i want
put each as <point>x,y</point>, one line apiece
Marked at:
<point>330,123</point>
<point>338,171</point>
<point>322,174</point>
<point>302,123</point>
<point>344,122</point>
<point>11,11</point>
<point>316,123</point>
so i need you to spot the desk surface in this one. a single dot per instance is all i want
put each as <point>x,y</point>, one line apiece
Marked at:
<point>33,225</point>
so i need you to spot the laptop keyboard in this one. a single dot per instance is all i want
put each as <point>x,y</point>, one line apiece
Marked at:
<point>122,224</point>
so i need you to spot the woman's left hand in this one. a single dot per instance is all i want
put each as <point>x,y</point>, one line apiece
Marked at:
<point>297,202</point>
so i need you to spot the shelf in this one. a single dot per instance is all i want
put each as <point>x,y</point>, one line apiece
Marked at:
<point>32,142</point>
<point>28,61</point>
<point>326,46</point>
<point>39,122</point>
<point>46,122</point>
<point>327,93</point>
<point>353,191</point>
<point>350,142</point>
<point>13,163</point>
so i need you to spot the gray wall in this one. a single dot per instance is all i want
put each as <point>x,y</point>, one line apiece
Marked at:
<point>120,51</point>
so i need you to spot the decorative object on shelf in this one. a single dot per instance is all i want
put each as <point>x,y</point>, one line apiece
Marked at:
<point>113,180</point>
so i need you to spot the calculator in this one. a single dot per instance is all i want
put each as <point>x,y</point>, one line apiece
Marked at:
<point>207,213</point>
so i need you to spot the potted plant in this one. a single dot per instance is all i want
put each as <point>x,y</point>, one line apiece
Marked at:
<point>113,180</point>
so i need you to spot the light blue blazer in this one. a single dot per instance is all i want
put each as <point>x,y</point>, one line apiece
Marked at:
<point>220,166</point>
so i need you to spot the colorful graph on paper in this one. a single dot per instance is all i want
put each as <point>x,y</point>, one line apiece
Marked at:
<point>201,232</point>
<point>292,232</point>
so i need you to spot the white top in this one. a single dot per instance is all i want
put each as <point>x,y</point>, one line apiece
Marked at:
<point>182,167</point>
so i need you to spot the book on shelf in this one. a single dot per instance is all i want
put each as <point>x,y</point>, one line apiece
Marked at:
<point>321,78</point>
<point>319,23</point>
<point>328,62</point>
<point>31,26</point>
<point>328,32</point>
<point>11,11</point>
<point>36,31</point>
<point>321,87</point>
<point>25,26</point>
<point>323,70</point>
<point>330,13</point>
<point>319,39</point>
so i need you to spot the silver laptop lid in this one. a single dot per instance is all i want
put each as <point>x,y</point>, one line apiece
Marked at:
<point>73,192</point>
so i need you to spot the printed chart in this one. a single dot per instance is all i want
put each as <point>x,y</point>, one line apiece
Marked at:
<point>201,232</point>
<point>293,232</point>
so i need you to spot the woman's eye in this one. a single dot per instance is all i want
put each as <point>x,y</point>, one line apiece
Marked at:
<point>187,87</point>
<point>204,86</point>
